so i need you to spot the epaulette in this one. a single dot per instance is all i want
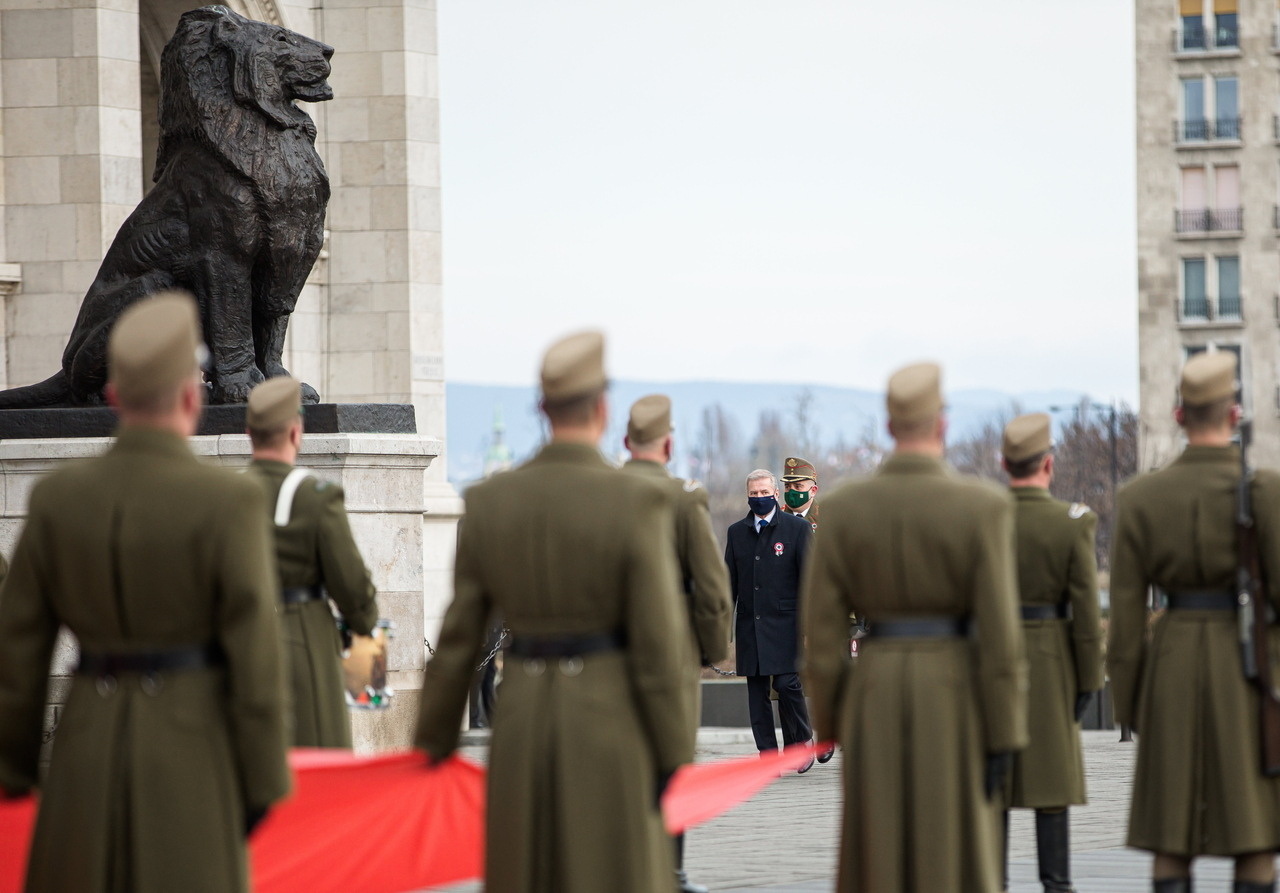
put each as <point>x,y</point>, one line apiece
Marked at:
<point>1078,510</point>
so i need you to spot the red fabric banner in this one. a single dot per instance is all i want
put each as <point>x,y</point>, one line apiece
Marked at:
<point>390,823</point>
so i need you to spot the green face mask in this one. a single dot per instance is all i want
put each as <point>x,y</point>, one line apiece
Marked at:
<point>796,498</point>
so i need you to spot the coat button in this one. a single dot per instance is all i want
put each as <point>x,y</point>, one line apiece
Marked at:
<point>757,558</point>
<point>757,617</point>
<point>152,684</point>
<point>106,685</point>
<point>534,666</point>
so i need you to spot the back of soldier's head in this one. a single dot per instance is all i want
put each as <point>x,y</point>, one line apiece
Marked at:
<point>155,349</point>
<point>275,406</point>
<point>573,379</point>
<point>1207,391</point>
<point>913,400</point>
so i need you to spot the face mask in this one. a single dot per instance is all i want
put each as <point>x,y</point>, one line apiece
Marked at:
<point>762,505</point>
<point>797,498</point>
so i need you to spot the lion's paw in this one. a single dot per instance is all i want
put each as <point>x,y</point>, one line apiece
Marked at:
<point>309,394</point>
<point>234,387</point>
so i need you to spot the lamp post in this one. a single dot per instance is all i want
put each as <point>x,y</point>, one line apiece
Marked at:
<point>1109,412</point>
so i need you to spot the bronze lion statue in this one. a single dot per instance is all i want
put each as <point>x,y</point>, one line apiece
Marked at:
<point>236,216</point>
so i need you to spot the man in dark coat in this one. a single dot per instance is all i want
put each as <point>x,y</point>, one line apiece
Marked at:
<point>766,554</point>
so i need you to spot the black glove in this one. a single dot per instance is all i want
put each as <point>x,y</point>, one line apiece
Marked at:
<point>664,779</point>
<point>253,818</point>
<point>998,765</point>
<point>1083,700</point>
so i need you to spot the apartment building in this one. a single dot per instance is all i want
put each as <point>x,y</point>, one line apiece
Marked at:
<point>1208,206</point>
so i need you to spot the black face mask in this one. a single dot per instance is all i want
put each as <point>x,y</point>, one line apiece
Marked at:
<point>762,505</point>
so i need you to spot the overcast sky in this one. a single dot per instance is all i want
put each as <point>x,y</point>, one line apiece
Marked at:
<point>805,190</point>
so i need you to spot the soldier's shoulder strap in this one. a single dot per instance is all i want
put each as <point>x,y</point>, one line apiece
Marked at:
<point>1077,510</point>
<point>288,490</point>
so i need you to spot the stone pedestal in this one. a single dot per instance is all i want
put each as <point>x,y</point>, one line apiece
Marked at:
<point>403,522</point>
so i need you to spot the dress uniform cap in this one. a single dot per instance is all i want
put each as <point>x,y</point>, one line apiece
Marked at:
<point>798,470</point>
<point>274,403</point>
<point>573,367</point>
<point>650,419</point>
<point>1208,378</point>
<point>155,346</point>
<point>1026,436</point>
<point>915,392</point>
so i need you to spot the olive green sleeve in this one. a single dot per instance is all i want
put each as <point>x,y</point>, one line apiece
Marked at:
<point>446,682</point>
<point>346,579</point>
<point>248,632</point>
<point>1266,514</point>
<point>1086,618</point>
<point>708,579</point>
<point>1127,634</point>
<point>28,629</point>
<point>1002,664</point>
<point>656,628</point>
<point>826,601</point>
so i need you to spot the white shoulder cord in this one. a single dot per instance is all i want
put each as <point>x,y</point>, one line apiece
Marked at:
<point>284,502</point>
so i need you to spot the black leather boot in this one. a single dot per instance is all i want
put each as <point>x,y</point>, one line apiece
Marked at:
<point>683,884</point>
<point>1004,853</point>
<point>1251,887</point>
<point>1054,851</point>
<point>1172,885</point>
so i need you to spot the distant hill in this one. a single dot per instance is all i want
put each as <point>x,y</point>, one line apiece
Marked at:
<point>836,412</point>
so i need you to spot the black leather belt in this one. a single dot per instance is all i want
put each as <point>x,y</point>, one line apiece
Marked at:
<point>565,646</point>
<point>1046,612</point>
<point>194,657</point>
<point>920,628</point>
<point>298,595</point>
<point>1202,600</point>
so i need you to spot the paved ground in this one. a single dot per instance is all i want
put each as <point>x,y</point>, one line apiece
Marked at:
<point>784,840</point>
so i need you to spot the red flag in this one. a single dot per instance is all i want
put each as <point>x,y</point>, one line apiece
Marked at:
<point>702,791</point>
<point>17,821</point>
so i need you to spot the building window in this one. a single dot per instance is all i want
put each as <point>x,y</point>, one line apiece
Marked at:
<point>1199,122</point>
<point>1229,304</point>
<point>1222,33</point>
<point>1195,299</point>
<point>1196,214</point>
<point>1226,29</point>
<point>1226,94</point>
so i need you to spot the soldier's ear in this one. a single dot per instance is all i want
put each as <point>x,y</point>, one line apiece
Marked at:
<point>1179,416</point>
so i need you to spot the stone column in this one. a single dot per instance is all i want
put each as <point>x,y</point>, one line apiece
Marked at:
<point>384,315</point>
<point>73,160</point>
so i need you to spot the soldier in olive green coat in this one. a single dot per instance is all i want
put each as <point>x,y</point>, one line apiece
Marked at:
<point>1058,589</point>
<point>800,485</point>
<point>579,559</point>
<point>171,745</point>
<point>1198,787</point>
<point>317,560</point>
<point>706,579</point>
<point>930,715</point>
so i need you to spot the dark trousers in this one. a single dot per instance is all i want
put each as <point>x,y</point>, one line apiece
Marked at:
<point>792,710</point>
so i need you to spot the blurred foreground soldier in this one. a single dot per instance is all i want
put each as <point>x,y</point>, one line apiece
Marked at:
<point>172,743</point>
<point>579,559</point>
<point>800,490</point>
<point>706,582</point>
<point>931,715</point>
<point>766,553</point>
<point>1198,787</point>
<point>1058,589</point>
<point>316,559</point>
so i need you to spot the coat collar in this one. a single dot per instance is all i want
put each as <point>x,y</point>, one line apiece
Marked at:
<point>913,463</point>
<point>647,467</point>
<point>569,453</point>
<point>1031,494</point>
<point>132,439</point>
<point>272,466</point>
<point>1211,455</point>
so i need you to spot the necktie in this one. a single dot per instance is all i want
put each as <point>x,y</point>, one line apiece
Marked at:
<point>761,523</point>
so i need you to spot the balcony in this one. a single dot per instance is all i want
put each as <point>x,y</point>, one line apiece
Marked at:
<point>1204,130</point>
<point>1209,220</point>
<point>1195,38</point>
<point>1228,309</point>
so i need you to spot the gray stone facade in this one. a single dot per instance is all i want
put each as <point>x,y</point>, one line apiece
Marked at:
<point>1171,137</point>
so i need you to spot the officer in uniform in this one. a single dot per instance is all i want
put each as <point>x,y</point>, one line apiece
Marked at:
<point>1198,787</point>
<point>316,559</point>
<point>172,742</point>
<point>580,560</point>
<point>1058,591</point>
<point>706,580</point>
<point>800,490</point>
<point>938,702</point>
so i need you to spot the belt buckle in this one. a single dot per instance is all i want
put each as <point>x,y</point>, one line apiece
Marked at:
<point>106,685</point>
<point>571,666</point>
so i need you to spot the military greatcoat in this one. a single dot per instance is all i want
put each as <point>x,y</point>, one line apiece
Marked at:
<point>1056,566</point>
<point>917,716</point>
<point>703,573</point>
<point>149,781</point>
<point>567,545</point>
<point>1198,788</point>
<point>811,515</point>
<point>316,549</point>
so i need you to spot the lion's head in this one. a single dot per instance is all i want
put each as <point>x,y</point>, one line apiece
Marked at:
<point>224,77</point>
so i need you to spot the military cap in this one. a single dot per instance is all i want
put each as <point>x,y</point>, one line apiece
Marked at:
<point>1026,436</point>
<point>650,419</point>
<point>154,347</point>
<point>915,393</point>
<point>573,367</point>
<point>798,470</point>
<point>1208,378</point>
<point>274,403</point>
